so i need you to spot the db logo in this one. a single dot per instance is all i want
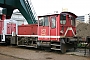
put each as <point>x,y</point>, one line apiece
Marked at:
<point>43,32</point>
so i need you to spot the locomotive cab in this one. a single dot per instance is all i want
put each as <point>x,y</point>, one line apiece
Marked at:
<point>55,30</point>
<point>56,26</point>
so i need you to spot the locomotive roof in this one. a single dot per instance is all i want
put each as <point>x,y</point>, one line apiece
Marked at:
<point>48,15</point>
<point>60,13</point>
<point>70,14</point>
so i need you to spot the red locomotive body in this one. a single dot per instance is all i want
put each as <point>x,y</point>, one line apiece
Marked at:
<point>57,31</point>
<point>6,29</point>
<point>54,31</point>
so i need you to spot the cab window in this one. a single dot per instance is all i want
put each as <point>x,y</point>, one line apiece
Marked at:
<point>63,18</point>
<point>43,21</point>
<point>46,22</point>
<point>53,22</point>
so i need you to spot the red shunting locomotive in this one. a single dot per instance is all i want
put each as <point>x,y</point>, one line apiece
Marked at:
<point>55,32</point>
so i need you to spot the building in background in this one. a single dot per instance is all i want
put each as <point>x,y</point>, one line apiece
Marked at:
<point>81,18</point>
<point>87,18</point>
<point>19,17</point>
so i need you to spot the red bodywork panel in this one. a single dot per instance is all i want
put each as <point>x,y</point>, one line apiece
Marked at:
<point>43,31</point>
<point>11,27</point>
<point>27,29</point>
<point>1,26</point>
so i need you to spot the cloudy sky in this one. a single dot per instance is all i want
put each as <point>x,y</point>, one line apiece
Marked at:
<point>79,7</point>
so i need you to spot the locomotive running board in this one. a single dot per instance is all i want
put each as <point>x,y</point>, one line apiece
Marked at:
<point>2,42</point>
<point>27,46</point>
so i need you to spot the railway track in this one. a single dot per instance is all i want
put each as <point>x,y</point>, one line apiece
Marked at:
<point>34,54</point>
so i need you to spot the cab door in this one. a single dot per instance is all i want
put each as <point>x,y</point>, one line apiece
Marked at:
<point>44,28</point>
<point>53,30</point>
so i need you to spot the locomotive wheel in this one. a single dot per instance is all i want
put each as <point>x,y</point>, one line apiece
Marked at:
<point>63,48</point>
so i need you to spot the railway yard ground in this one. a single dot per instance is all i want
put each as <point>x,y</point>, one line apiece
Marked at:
<point>20,53</point>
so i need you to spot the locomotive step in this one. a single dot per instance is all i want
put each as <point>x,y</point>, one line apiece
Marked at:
<point>55,45</point>
<point>55,49</point>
